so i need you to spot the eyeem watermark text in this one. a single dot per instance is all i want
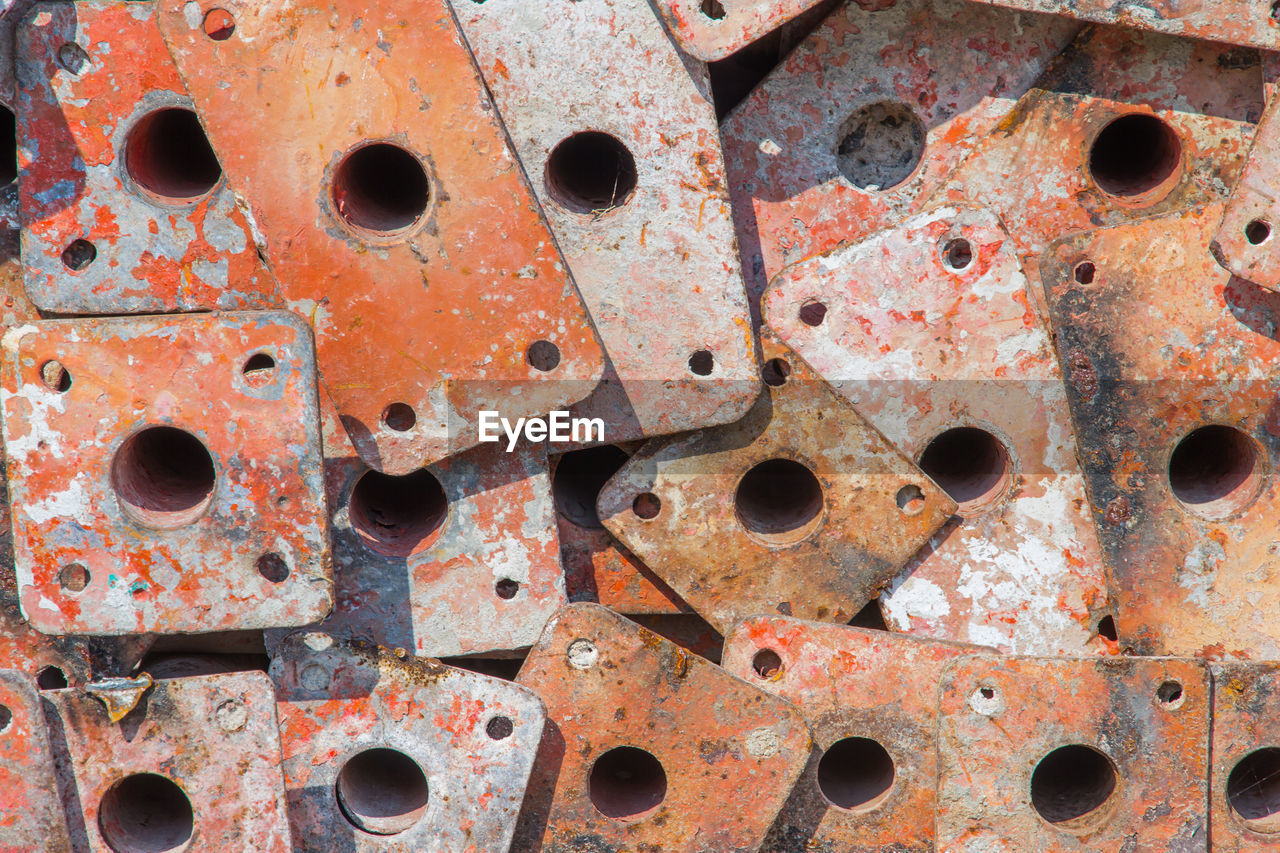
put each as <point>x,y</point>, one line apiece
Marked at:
<point>556,427</point>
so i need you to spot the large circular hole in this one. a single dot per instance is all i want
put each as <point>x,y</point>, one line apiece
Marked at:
<point>1134,154</point>
<point>855,773</point>
<point>626,782</point>
<point>779,500</point>
<point>591,172</point>
<point>1215,471</point>
<point>163,477</point>
<point>1253,789</point>
<point>51,678</point>
<point>382,791</point>
<point>880,145</point>
<point>1070,786</point>
<point>168,156</point>
<point>970,464</point>
<point>381,188</point>
<point>579,477</point>
<point>145,813</point>
<point>394,514</point>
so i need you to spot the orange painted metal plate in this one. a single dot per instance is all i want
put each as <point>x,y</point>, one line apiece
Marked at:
<point>1157,343</point>
<point>649,747</point>
<point>929,328</point>
<point>100,101</point>
<point>853,686</point>
<point>194,765</point>
<point>394,215</point>
<point>146,495</point>
<point>1135,774</point>
<point>1245,751</point>
<point>801,508</point>
<point>1245,242</point>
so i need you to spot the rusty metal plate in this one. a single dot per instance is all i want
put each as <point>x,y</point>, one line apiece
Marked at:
<point>392,212</point>
<point>868,116</point>
<point>598,567</point>
<point>1244,244</point>
<point>456,558</point>
<point>30,813</point>
<point>930,329</point>
<point>389,752</point>
<point>195,765</point>
<point>870,698</point>
<point>649,747</point>
<point>123,205</point>
<point>711,29</point>
<point>1073,755</point>
<point>1124,124</point>
<point>801,508</point>
<point>1243,22</point>
<point>632,181</point>
<point>146,495</point>
<point>1244,800</point>
<point>1178,432</point>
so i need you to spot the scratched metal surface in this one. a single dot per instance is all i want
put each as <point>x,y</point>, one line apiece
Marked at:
<point>637,257</point>
<point>853,683</point>
<point>31,816</point>
<point>458,558</point>
<point>89,76</point>
<point>998,718</point>
<point>790,197</point>
<point>338,699</point>
<point>1244,243</point>
<point>214,737</point>
<point>921,346</point>
<point>112,543</point>
<point>729,751</point>
<point>732,554</point>
<point>1189,575</point>
<point>439,311</point>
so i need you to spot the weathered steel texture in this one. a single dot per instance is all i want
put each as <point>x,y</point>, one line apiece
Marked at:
<point>1242,781</point>
<point>930,327</point>
<point>1057,164</point>
<point>394,215</point>
<point>472,739</point>
<point>689,631</point>
<point>791,199</point>
<point>1190,545</point>
<point>1245,242</point>
<point>30,813</point>
<point>460,557</point>
<point>1242,22</point>
<point>1140,732</point>
<point>649,747</point>
<point>103,168</point>
<point>800,508</point>
<point>711,30</point>
<point>662,222</point>
<point>596,566</point>
<point>852,683</point>
<point>146,495</point>
<point>198,758</point>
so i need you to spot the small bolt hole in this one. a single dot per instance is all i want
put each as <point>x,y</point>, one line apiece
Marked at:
<point>957,254</point>
<point>910,500</point>
<point>713,9</point>
<point>506,589</point>
<point>1257,232</point>
<point>259,370</point>
<point>647,505</point>
<point>1170,695</point>
<point>6,719</point>
<point>51,678</point>
<point>813,313</point>
<point>1084,272</point>
<point>219,24</point>
<point>273,568</point>
<point>766,663</point>
<point>702,362</point>
<point>399,417</point>
<point>775,372</point>
<point>543,356</point>
<point>73,577</point>
<point>72,58</point>
<point>499,728</point>
<point>77,256</point>
<point>55,376</point>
